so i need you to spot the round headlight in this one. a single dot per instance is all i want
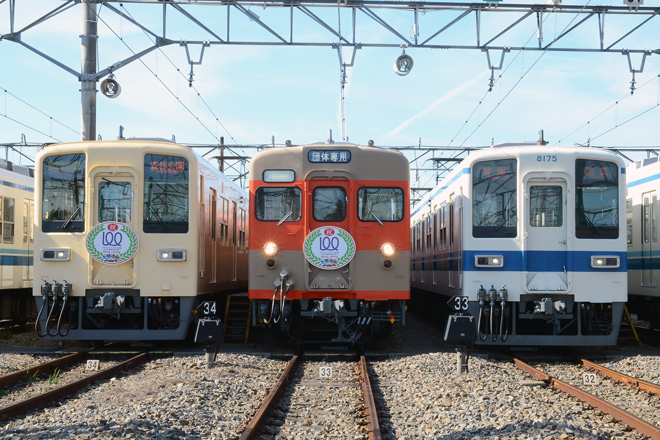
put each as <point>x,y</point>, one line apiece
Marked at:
<point>387,249</point>
<point>270,248</point>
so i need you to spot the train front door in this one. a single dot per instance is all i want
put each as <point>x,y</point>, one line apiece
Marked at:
<point>329,206</point>
<point>545,233</point>
<point>330,201</point>
<point>114,201</point>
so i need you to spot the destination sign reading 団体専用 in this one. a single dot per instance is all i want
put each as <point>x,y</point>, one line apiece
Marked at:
<point>329,156</point>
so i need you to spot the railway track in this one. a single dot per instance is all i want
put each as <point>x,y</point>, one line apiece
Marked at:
<point>631,401</point>
<point>313,399</point>
<point>39,385</point>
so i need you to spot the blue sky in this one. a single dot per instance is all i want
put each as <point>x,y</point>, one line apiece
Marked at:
<point>257,94</point>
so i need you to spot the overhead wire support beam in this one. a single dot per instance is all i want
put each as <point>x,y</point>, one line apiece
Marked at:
<point>446,15</point>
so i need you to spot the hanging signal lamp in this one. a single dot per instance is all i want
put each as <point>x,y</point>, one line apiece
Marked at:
<point>403,64</point>
<point>109,87</point>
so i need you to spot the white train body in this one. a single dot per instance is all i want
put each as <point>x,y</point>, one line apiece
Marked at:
<point>643,246</point>
<point>16,239</point>
<point>528,240</point>
<point>131,236</point>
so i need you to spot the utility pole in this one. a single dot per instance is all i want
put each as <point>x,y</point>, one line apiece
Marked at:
<point>88,38</point>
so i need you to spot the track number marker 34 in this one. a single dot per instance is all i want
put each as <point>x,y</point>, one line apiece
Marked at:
<point>325,372</point>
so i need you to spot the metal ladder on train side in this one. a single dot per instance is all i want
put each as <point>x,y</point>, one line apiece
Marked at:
<point>237,318</point>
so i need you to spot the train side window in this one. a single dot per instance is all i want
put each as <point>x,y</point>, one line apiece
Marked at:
<point>597,199</point>
<point>443,226</point>
<point>654,219</point>
<point>428,229</point>
<point>380,204</point>
<point>7,220</point>
<point>166,199</point>
<point>629,222</point>
<point>63,193</point>
<point>278,204</point>
<point>329,204</point>
<point>494,207</point>
<point>545,206</point>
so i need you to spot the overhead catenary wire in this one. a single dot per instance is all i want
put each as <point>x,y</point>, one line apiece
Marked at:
<point>190,111</point>
<point>51,118</point>
<point>199,95</point>
<point>523,75</point>
<point>615,104</point>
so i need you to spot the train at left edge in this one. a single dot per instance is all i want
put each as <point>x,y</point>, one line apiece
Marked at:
<point>132,237</point>
<point>16,242</point>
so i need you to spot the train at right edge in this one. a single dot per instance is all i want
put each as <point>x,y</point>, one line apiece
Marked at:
<point>642,214</point>
<point>527,244</point>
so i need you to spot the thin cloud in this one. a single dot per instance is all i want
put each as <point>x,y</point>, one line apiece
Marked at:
<point>453,93</point>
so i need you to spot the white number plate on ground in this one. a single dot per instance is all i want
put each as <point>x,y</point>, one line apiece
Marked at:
<point>325,372</point>
<point>590,379</point>
<point>92,365</point>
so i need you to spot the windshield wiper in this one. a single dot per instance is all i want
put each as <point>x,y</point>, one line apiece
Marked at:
<point>72,216</point>
<point>286,216</point>
<point>377,219</point>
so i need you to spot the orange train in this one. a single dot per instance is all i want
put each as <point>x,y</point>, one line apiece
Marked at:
<point>329,252</point>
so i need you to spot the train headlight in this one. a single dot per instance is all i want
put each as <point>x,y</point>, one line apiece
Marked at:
<point>387,249</point>
<point>172,255</point>
<point>270,249</point>
<point>55,254</point>
<point>489,261</point>
<point>605,262</point>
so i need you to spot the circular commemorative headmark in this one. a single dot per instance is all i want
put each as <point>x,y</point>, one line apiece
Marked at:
<point>112,243</point>
<point>329,247</point>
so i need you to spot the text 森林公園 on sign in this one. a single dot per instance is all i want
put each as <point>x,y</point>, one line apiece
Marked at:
<point>112,243</point>
<point>329,247</point>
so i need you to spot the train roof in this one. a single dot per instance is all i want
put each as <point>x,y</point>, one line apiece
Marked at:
<point>365,162</point>
<point>517,151</point>
<point>18,169</point>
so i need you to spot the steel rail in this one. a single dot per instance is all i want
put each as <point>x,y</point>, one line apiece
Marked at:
<point>44,399</point>
<point>369,402</point>
<point>625,417</point>
<point>46,367</point>
<point>260,416</point>
<point>620,377</point>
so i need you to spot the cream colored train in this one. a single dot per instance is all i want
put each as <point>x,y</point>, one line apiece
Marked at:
<point>131,237</point>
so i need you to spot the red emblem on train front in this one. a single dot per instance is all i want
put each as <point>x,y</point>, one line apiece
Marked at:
<point>329,232</point>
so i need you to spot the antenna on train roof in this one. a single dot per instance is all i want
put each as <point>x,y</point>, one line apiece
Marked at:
<point>330,141</point>
<point>541,141</point>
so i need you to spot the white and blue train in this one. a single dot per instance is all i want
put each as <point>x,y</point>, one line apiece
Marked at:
<point>528,241</point>
<point>643,247</point>
<point>16,241</point>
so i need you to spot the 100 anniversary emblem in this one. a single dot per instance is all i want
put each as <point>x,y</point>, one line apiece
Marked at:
<point>329,247</point>
<point>112,243</point>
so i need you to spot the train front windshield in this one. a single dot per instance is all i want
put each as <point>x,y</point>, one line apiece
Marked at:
<point>494,208</point>
<point>166,200</point>
<point>63,180</point>
<point>597,199</point>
